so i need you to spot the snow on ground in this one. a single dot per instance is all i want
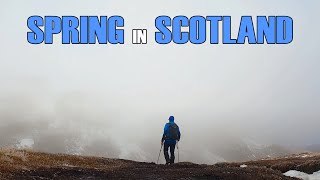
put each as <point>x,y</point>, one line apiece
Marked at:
<point>243,166</point>
<point>303,155</point>
<point>302,175</point>
<point>25,143</point>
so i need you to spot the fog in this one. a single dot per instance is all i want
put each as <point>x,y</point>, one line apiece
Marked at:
<point>113,100</point>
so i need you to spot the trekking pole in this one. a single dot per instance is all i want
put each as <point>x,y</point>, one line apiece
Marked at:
<point>159,153</point>
<point>178,151</point>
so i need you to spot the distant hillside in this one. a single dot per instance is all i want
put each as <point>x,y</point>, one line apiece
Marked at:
<point>239,150</point>
<point>313,148</point>
<point>226,149</point>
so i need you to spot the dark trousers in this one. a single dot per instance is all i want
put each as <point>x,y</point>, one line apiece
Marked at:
<point>166,154</point>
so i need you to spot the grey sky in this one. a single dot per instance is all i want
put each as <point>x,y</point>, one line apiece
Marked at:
<point>266,92</point>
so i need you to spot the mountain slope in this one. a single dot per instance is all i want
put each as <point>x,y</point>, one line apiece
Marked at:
<point>24,164</point>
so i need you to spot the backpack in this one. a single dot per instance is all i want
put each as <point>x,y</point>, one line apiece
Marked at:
<point>173,133</point>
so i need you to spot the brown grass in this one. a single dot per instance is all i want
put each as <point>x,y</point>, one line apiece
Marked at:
<point>10,154</point>
<point>28,164</point>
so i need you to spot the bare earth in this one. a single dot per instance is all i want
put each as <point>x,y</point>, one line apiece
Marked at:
<point>26,164</point>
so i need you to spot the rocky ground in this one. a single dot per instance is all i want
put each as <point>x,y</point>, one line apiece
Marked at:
<point>26,164</point>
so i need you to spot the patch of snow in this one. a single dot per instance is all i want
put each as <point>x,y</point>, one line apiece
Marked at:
<point>212,158</point>
<point>25,143</point>
<point>132,152</point>
<point>243,166</point>
<point>68,165</point>
<point>252,144</point>
<point>302,175</point>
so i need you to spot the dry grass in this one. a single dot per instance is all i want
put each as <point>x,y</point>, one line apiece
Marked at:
<point>28,158</point>
<point>10,154</point>
<point>20,164</point>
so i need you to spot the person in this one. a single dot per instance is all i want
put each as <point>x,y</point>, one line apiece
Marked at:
<point>171,135</point>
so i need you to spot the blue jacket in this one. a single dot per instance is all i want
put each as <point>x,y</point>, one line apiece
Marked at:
<point>165,132</point>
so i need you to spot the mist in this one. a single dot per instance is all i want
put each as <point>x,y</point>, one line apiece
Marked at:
<point>113,100</point>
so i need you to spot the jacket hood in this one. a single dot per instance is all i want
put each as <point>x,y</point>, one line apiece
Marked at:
<point>171,119</point>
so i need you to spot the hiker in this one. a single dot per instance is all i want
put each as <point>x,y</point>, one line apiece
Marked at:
<point>170,137</point>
